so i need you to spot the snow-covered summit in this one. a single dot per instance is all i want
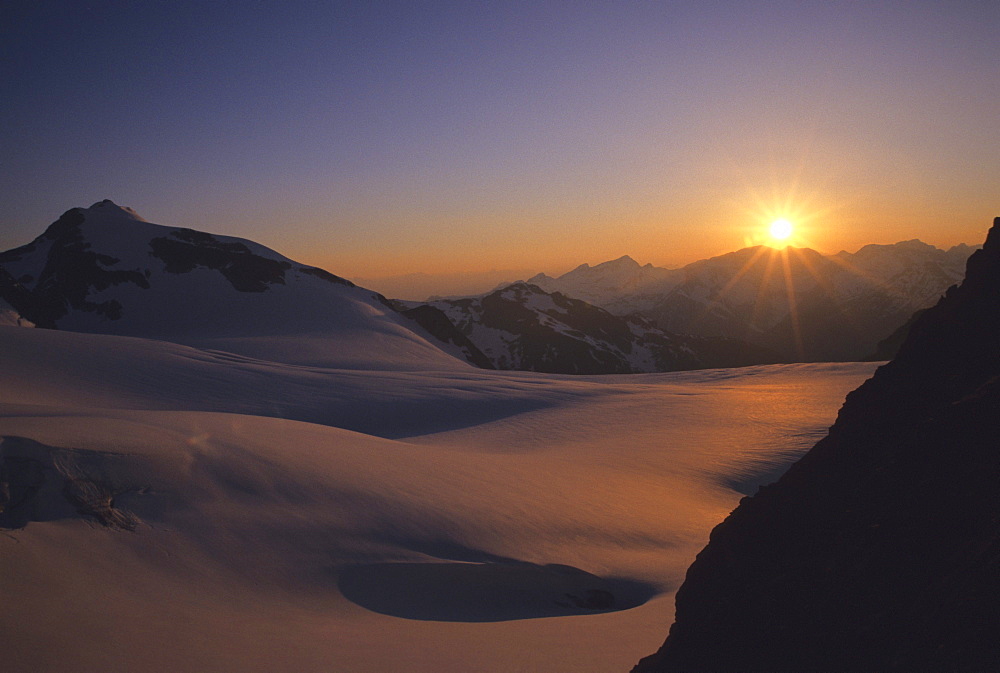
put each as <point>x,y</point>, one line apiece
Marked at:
<point>609,283</point>
<point>105,269</point>
<point>108,209</point>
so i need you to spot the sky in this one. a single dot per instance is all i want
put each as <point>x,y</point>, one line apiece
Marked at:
<point>486,139</point>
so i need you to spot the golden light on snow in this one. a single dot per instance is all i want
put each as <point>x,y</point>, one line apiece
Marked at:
<point>781,229</point>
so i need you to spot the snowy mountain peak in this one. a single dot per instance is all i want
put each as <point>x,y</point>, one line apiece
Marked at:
<point>622,262</point>
<point>108,209</point>
<point>520,288</point>
<point>105,270</point>
<point>539,278</point>
<point>915,244</point>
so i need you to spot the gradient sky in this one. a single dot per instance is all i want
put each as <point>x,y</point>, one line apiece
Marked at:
<point>381,138</point>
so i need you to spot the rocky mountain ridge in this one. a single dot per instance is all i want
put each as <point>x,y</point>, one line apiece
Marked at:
<point>620,286</point>
<point>525,328</point>
<point>803,305</point>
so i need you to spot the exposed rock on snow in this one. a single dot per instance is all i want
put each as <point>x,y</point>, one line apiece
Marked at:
<point>436,323</point>
<point>37,482</point>
<point>523,327</point>
<point>184,250</point>
<point>10,317</point>
<point>63,280</point>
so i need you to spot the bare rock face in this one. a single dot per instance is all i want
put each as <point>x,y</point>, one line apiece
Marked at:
<point>880,549</point>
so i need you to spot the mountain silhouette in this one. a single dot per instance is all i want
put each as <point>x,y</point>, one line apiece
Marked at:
<point>795,302</point>
<point>880,549</point>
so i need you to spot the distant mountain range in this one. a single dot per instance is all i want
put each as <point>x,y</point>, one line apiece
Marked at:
<point>795,302</point>
<point>621,286</point>
<point>523,327</point>
<point>104,269</point>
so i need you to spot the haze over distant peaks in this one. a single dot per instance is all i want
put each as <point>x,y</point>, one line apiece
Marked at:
<point>609,283</point>
<point>802,304</point>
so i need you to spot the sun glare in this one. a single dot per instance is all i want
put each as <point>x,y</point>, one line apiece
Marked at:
<point>781,229</point>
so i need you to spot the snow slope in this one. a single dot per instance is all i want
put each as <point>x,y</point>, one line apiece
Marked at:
<point>169,508</point>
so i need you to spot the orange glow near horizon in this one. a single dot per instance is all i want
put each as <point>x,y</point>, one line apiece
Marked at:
<point>483,247</point>
<point>785,216</point>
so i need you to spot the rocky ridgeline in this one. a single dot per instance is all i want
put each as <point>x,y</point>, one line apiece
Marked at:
<point>795,302</point>
<point>522,327</point>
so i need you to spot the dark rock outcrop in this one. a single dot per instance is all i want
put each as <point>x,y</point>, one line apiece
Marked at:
<point>880,549</point>
<point>186,249</point>
<point>71,272</point>
<point>437,324</point>
<point>46,483</point>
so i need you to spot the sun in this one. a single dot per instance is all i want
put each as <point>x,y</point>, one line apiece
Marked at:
<point>781,229</point>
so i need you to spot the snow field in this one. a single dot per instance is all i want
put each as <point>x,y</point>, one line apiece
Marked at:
<point>316,519</point>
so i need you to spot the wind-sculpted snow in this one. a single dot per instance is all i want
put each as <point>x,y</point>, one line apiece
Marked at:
<point>236,514</point>
<point>142,374</point>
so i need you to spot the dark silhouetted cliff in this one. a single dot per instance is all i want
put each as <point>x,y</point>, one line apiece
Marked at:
<point>880,549</point>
